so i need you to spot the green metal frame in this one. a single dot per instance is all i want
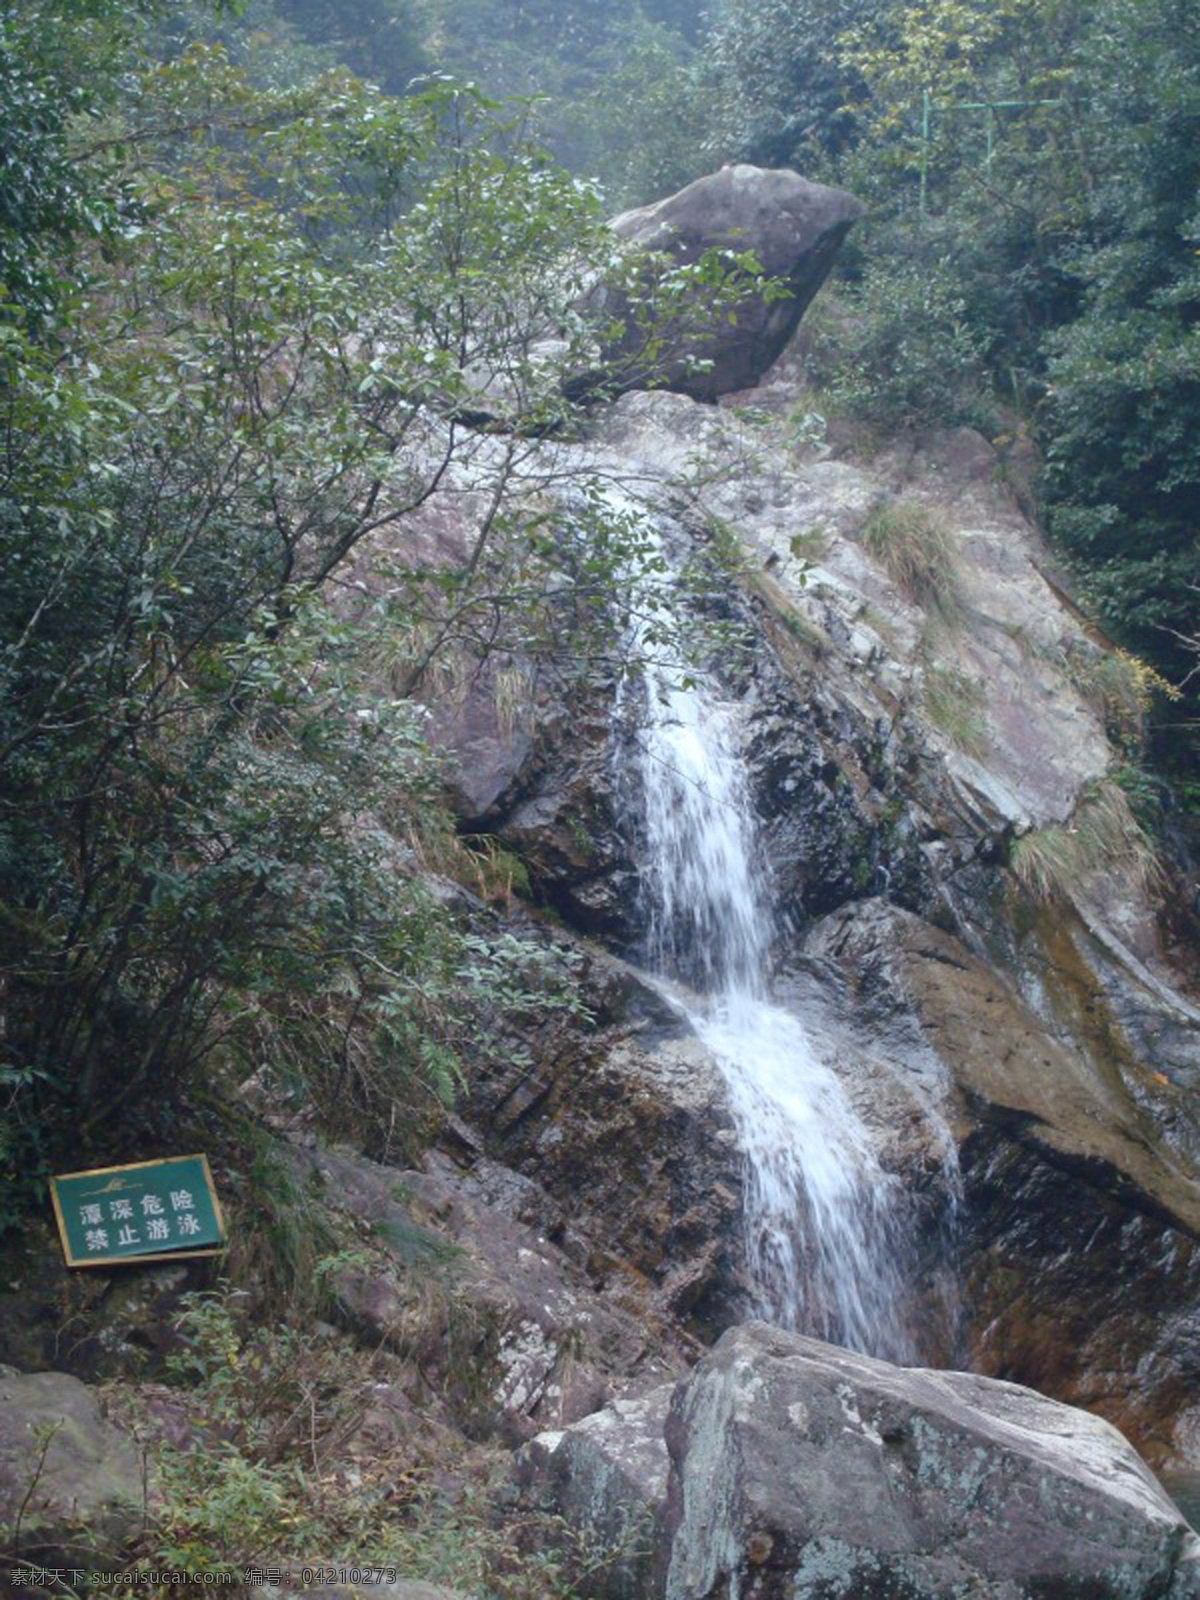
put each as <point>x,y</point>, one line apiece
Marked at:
<point>990,106</point>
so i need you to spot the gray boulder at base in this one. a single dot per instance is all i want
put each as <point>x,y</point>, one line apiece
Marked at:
<point>795,229</point>
<point>77,1498</point>
<point>607,1476</point>
<point>803,1471</point>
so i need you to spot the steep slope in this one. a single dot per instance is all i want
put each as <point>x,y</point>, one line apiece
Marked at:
<point>919,706</point>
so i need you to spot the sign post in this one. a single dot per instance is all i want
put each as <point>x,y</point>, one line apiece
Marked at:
<point>149,1211</point>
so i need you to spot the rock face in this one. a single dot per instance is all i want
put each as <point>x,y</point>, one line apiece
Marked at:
<point>628,1141</point>
<point>1078,1225</point>
<point>608,1477</point>
<point>493,1314</point>
<point>71,1486</point>
<point>1027,1069</point>
<point>793,227</point>
<point>798,1471</point>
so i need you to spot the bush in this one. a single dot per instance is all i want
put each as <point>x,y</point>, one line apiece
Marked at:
<point>208,811</point>
<point>910,356</point>
<point>1120,687</point>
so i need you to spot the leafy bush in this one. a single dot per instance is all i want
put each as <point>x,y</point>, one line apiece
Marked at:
<point>910,355</point>
<point>1123,472</point>
<point>1121,688</point>
<point>643,126</point>
<point>498,873</point>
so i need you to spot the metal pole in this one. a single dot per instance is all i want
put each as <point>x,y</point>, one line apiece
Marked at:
<point>924,148</point>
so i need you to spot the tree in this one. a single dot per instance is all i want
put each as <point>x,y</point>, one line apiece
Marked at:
<point>59,61</point>
<point>1122,418</point>
<point>208,813</point>
<point>783,86</point>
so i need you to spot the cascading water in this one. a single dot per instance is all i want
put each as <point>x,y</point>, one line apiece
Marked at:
<point>820,1233</point>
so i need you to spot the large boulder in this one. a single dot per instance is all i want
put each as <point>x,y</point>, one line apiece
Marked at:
<point>794,228</point>
<point>71,1486</point>
<point>803,1471</point>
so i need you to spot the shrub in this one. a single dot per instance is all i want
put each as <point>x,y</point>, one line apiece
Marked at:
<point>1120,687</point>
<point>497,873</point>
<point>910,355</point>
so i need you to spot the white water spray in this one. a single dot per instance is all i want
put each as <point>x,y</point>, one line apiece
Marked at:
<point>820,1237</point>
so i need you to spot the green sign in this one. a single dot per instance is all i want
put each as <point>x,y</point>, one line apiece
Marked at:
<point>150,1211</point>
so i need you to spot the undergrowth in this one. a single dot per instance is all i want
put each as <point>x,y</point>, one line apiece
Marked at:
<point>276,1472</point>
<point>280,1230</point>
<point>498,873</point>
<point>1119,687</point>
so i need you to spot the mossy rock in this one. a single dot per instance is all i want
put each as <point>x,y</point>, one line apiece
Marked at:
<point>71,1486</point>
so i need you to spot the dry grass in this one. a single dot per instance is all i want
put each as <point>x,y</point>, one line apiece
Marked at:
<point>954,703</point>
<point>1103,837</point>
<point>916,548</point>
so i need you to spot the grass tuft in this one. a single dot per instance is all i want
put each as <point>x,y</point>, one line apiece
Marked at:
<point>954,704</point>
<point>915,547</point>
<point>1102,838</point>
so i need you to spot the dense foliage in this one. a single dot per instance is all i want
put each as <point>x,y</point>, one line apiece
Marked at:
<point>241,329</point>
<point>1061,183</point>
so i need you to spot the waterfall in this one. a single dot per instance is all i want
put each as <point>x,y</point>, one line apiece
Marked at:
<point>818,1211</point>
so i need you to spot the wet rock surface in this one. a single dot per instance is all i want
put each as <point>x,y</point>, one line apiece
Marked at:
<point>803,1471</point>
<point>1006,1064</point>
<point>1077,1242</point>
<point>1025,1069</point>
<point>561,817</point>
<point>628,1142</point>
